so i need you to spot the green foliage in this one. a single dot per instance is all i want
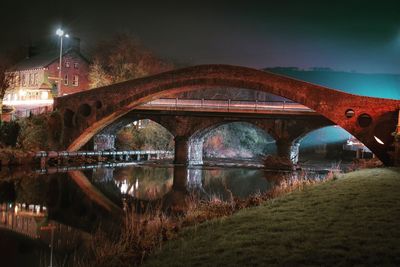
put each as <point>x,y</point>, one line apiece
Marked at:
<point>41,132</point>
<point>151,136</point>
<point>237,139</point>
<point>9,133</point>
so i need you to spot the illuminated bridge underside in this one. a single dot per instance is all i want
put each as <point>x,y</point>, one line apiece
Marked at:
<point>87,113</point>
<point>190,128</point>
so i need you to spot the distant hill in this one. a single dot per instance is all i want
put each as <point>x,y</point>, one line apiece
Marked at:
<point>376,85</point>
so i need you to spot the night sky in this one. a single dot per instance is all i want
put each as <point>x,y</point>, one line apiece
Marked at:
<point>362,36</point>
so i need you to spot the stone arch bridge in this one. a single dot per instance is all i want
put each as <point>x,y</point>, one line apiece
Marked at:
<point>371,120</point>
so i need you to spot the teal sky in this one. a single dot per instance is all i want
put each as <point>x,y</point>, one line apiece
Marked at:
<point>352,35</point>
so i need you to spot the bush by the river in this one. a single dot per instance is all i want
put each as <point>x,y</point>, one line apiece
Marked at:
<point>9,132</point>
<point>41,132</point>
<point>19,140</point>
<point>151,136</point>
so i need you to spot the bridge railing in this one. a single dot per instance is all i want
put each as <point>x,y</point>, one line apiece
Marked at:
<point>226,104</point>
<point>121,155</point>
<point>67,154</point>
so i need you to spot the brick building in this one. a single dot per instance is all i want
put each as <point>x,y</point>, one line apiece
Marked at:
<point>35,79</point>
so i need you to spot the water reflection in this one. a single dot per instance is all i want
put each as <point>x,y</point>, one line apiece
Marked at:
<point>34,205</point>
<point>147,183</point>
<point>151,183</point>
<point>75,203</point>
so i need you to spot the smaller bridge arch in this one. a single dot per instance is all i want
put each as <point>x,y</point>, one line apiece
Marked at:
<point>196,141</point>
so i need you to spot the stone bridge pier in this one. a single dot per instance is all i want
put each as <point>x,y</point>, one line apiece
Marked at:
<point>288,149</point>
<point>181,149</point>
<point>191,130</point>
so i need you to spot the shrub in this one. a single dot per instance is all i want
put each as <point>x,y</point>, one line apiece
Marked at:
<point>9,132</point>
<point>41,132</point>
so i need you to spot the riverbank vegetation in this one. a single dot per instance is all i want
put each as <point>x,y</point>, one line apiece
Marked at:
<point>142,235</point>
<point>144,135</point>
<point>352,220</point>
<point>20,139</point>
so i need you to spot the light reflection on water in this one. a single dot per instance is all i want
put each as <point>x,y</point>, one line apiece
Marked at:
<point>77,202</point>
<point>151,183</point>
<point>84,198</point>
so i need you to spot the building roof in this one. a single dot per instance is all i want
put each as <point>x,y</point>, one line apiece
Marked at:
<point>42,60</point>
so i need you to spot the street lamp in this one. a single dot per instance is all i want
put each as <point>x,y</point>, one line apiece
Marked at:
<point>61,34</point>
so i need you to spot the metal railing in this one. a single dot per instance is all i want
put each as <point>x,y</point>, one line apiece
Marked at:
<point>67,154</point>
<point>227,104</point>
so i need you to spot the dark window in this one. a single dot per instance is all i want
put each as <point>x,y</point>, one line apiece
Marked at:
<point>75,81</point>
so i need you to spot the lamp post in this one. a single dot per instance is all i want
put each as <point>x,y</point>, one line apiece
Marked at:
<point>61,34</point>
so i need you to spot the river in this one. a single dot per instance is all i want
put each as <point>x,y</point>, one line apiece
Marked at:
<point>72,204</point>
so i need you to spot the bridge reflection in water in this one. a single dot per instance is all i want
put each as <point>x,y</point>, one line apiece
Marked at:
<point>75,203</point>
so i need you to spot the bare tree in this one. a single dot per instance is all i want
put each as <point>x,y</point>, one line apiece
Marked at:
<point>5,82</point>
<point>122,58</point>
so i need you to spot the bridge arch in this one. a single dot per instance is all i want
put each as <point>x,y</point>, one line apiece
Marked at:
<point>119,99</point>
<point>196,141</point>
<point>108,137</point>
<point>336,138</point>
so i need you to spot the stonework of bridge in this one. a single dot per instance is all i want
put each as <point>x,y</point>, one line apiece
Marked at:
<point>369,119</point>
<point>190,129</point>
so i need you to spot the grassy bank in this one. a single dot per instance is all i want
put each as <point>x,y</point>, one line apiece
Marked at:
<point>353,220</point>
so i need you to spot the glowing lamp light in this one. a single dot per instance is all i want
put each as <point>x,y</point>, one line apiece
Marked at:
<point>379,140</point>
<point>37,208</point>
<point>124,187</point>
<point>60,32</point>
<point>44,95</point>
<point>22,93</point>
<point>137,184</point>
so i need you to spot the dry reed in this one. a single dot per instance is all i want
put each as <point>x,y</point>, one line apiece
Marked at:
<point>141,235</point>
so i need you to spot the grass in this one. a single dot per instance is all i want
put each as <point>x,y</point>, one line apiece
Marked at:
<point>353,220</point>
<point>141,235</point>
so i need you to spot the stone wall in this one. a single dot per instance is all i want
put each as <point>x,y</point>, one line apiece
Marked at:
<point>103,142</point>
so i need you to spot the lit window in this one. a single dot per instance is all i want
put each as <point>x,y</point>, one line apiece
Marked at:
<point>17,81</point>
<point>67,64</point>
<point>66,79</point>
<point>75,81</point>
<point>76,64</point>
<point>11,80</point>
<point>23,80</point>
<point>36,79</point>
<point>44,95</point>
<point>30,78</point>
